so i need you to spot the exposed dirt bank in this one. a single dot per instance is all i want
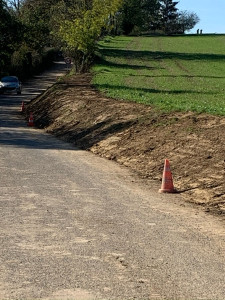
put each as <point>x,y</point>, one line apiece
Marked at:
<point>139,137</point>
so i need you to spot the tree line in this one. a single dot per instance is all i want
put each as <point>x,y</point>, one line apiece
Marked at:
<point>30,28</point>
<point>161,16</point>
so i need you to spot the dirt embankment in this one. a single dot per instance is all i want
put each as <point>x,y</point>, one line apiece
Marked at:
<point>139,137</point>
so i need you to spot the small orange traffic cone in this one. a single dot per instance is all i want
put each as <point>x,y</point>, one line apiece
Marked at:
<point>22,107</point>
<point>167,180</point>
<point>31,120</point>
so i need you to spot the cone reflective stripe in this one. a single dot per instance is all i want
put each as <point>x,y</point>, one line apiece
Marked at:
<point>31,120</point>
<point>22,106</point>
<point>167,180</point>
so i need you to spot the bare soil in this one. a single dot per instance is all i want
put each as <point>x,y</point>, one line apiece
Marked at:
<point>139,137</point>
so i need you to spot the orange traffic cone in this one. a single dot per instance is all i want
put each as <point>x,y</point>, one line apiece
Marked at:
<point>31,120</point>
<point>167,180</point>
<point>22,107</point>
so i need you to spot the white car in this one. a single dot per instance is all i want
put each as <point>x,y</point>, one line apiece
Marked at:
<point>10,83</point>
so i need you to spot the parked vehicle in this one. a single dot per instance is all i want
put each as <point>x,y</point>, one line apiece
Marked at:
<point>10,83</point>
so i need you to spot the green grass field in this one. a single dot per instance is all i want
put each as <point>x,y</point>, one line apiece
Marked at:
<point>183,73</point>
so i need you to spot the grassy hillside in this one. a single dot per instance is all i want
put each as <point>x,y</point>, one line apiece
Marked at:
<point>183,73</point>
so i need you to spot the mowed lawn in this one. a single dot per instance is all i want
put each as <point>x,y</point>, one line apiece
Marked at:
<point>181,73</point>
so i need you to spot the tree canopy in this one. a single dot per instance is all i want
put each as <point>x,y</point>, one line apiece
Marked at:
<point>27,27</point>
<point>80,34</point>
<point>9,35</point>
<point>152,15</point>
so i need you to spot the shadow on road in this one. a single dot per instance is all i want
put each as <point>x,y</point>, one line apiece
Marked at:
<point>26,137</point>
<point>14,131</point>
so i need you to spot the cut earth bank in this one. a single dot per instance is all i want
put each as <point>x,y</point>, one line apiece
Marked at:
<point>139,137</point>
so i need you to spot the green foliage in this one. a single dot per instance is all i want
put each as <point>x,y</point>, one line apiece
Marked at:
<point>152,15</point>
<point>25,62</point>
<point>21,59</point>
<point>24,35</point>
<point>131,16</point>
<point>168,15</point>
<point>9,36</point>
<point>186,21</point>
<point>180,73</point>
<point>81,33</point>
<point>139,15</point>
<point>35,16</point>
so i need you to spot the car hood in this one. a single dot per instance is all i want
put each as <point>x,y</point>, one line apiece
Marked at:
<point>10,84</point>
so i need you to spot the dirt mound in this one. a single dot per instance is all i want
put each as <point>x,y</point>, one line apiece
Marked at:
<point>139,137</point>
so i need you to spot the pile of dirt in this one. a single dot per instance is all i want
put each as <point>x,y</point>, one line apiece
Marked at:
<point>139,137</point>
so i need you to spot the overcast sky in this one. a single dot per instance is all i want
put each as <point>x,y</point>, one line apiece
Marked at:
<point>210,12</point>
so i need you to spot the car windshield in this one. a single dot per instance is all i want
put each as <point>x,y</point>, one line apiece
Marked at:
<point>9,79</point>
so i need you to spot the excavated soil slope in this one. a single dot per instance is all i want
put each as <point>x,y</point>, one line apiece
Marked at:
<point>139,137</point>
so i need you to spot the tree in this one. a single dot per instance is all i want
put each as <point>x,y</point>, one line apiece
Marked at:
<point>150,14</point>
<point>142,14</point>
<point>186,21</point>
<point>131,15</point>
<point>167,15</point>
<point>9,35</point>
<point>80,35</point>
<point>25,34</point>
<point>15,5</point>
<point>35,16</point>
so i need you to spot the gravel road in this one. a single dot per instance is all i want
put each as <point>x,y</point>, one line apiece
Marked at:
<point>76,226</point>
